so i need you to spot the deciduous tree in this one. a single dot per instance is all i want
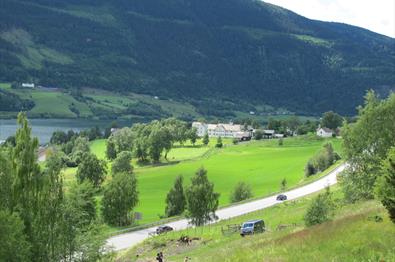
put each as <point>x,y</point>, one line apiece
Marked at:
<point>202,201</point>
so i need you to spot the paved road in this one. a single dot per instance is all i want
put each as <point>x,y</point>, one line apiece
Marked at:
<point>128,240</point>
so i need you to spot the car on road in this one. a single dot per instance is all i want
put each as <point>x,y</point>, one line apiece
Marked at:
<point>252,227</point>
<point>281,197</point>
<point>163,229</point>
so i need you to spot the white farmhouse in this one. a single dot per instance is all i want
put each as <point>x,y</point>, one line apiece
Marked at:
<point>28,85</point>
<point>221,130</point>
<point>325,132</point>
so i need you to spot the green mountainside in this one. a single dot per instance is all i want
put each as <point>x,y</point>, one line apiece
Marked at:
<point>218,56</point>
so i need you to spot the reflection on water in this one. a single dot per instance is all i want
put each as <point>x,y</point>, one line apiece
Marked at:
<point>43,128</point>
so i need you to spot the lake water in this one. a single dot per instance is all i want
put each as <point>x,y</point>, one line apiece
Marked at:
<point>43,128</point>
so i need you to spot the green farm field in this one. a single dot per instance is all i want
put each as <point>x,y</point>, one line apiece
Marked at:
<point>262,164</point>
<point>353,235</point>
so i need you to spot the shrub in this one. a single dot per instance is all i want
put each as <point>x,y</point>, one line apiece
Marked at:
<point>242,191</point>
<point>219,142</point>
<point>258,135</point>
<point>320,210</point>
<point>122,163</point>
<point>309,169</point>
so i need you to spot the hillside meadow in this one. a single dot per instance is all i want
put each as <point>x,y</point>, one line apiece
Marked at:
<point>354,234</point>
<point>262,164</point>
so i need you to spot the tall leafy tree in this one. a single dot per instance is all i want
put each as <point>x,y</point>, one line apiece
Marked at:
<point>366,143</point>
<point>14,246</point>
<point>119,198</point>
<point>175,200</point>
<point>81,199</point>
<point>202,201</point>
<point>27,175</point>
<point>386,185</point>
<point>91,168</point>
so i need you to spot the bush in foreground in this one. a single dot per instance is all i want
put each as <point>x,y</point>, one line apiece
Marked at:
<point>320,210</point>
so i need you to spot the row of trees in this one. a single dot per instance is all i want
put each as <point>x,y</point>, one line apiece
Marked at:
<point>150,141</point>
<point>38,221</point>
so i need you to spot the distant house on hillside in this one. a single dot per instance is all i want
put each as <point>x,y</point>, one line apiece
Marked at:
<point>325,132</point>
<point>222,130</point>
<point>28,85</point>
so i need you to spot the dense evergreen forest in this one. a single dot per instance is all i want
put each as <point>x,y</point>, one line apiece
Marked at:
<point>203,52</point>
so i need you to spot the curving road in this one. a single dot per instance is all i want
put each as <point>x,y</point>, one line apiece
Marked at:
<point>130,239</point>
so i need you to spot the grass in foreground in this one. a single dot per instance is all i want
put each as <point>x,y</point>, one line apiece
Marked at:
<point>353,235</point>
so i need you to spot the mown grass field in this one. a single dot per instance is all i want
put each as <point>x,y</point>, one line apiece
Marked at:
<point>353,235</point>
<point>262,164</point>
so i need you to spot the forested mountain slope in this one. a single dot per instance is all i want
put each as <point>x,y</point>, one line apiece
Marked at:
<point>203,52</point>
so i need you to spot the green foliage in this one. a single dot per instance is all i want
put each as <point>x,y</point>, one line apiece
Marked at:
<point>258,135</point>
<point>175,200</point>
<point>386,185</point>
<point>81,199</point>
<point>123,140</point>
<point>202,201</point>
<point>160,139</point>
<point>242,191</point>
<point>111,152</point>
<point>320,210</point>
<point>283,184</point>
<point>193,135</point>
<point>366,144</point>
<point>14,245</point>
<point>119,198</point>
<point>322,160</point>
<point>219,143</point>
<point>122,164</point>
<point>206,139</point>
<point>281,142</point>
<point>27,174</point>
<point>51,224</point>
<point>80,146</point>
<point>92,169</point>
<point>331,120</point>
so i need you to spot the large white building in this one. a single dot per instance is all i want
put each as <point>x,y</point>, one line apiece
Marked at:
<point>222,130</point>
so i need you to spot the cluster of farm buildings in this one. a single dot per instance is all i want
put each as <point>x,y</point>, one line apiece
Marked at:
<point>230,131</point>
<point>243,132</point>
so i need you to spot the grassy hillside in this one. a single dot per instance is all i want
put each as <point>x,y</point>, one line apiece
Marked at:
<point>219,56</point>
<point>262,164</point>
<point>96,103</point>
<point>353,235</point>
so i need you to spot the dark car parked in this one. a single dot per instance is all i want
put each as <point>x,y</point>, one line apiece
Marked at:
<point>163,229</point>
<point>252,227</point>
<point>281,197</point>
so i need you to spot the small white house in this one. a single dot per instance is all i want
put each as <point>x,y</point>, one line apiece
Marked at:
<point>325,132</point>
<point>28,85</point>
